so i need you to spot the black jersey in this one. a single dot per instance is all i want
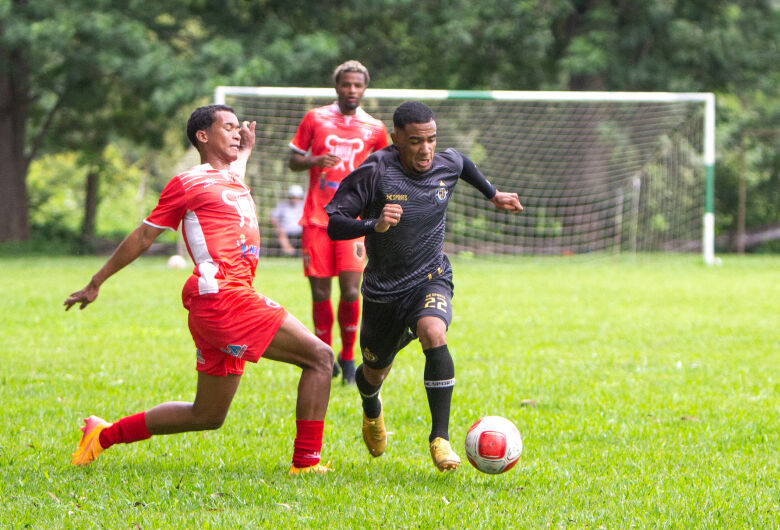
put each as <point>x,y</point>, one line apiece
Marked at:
<point>411,252</point>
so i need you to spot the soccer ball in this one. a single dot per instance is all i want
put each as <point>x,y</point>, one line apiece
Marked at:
<point>177,262</point>
<point>493,445</point>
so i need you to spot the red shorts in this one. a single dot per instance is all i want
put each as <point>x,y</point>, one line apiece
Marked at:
<point>232,327</point>
<point>324,258</point>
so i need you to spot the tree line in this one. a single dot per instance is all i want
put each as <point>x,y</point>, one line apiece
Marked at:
<point>100,89</point>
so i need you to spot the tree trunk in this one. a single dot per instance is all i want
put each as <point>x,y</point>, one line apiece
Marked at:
<point>90,206</point>
<point>14,221</point>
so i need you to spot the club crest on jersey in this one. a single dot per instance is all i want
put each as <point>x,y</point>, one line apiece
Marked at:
<point>234,350</point>
<point>441,193</point>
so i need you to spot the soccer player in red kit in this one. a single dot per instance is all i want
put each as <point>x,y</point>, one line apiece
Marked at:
<point>230,322</point>
<point>331,142</point>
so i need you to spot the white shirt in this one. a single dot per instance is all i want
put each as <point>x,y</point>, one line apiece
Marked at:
<point>287,215</point>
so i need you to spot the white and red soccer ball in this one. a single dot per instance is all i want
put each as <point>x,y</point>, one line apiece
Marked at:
<point>493,444</point>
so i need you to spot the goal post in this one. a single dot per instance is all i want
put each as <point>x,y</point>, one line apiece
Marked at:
<point>597,172</point>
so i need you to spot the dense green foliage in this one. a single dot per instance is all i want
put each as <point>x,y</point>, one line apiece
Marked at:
<point>80,75</point>
<point>647,394</point>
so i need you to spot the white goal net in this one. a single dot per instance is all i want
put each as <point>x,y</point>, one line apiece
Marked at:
<point>596,172</point>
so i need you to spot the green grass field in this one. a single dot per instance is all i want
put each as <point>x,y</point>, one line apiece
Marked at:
<point>647,392</point>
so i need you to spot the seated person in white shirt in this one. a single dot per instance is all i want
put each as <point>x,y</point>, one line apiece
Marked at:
<point>285,217</point>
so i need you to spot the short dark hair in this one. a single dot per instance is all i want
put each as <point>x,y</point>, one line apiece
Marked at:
<point>350,66</point>
<point>411,112</point>
<point>202,118</point>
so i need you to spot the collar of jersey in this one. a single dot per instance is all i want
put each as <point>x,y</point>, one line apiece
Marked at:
<point>227,173</point>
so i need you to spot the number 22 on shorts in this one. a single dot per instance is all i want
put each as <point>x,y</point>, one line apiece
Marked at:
<point>436,300</point>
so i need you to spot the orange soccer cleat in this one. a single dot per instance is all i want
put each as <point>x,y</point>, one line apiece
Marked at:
<point>316,468</point>
<point>443,456</point>
<point>89,447</point>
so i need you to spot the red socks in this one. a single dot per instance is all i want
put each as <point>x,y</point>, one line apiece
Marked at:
<point>322,314</point>
<point>308,442</point>
<point>306,449</point>
<point>127,430</point>
<point>349,316</point>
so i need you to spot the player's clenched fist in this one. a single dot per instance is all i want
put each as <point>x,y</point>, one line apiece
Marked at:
<point>391,216</point>
<point>507,201</point>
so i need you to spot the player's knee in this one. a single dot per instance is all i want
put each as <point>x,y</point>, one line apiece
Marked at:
<point>375,376</point>
<point>350,293</point>
<point>433,339</point>
<point>320,289</point>
<point>320,295</point>
<point>432,332</point>
<point>212,421</point>
<point>322,359</point>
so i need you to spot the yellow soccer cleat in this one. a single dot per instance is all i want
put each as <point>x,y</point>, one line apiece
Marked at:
<point>316,468</point>
<point>374,433</point>
<point>443,455</point>
<point>89,447</point>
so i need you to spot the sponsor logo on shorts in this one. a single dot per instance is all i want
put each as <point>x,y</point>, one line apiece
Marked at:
<point>199,357</point>
<point>436,301</point>
<point>234,350</point>
<point>368,355</point>
<point>360,250</point>
<point>271,303</point>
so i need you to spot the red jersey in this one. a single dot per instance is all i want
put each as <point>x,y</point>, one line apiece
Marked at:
<point>219,227</point>
<point>351,138</point>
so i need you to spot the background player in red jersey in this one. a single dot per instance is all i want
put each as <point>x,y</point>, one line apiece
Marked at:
<point>330,142</point>
<point>230,322</point>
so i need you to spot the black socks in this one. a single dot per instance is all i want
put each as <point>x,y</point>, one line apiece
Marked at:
<point>370,394</point>
<point>439,379</point>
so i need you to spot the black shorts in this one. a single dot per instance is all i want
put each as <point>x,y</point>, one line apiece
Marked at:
<point>387,327</point>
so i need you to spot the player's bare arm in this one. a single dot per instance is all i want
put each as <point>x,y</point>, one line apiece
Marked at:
<point>507,201</point>
<point>391,216</point>
<point>299,162</point>
<point>128,250</point>
<point>247,132</point>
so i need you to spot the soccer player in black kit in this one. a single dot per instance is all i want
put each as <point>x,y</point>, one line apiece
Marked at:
<point>401,194</point>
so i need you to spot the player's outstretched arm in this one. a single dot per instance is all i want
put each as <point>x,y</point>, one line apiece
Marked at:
<point>128,250</point>
<point>507,201</point>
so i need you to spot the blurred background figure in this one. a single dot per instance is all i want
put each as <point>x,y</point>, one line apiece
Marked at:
<point>285,217</point>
